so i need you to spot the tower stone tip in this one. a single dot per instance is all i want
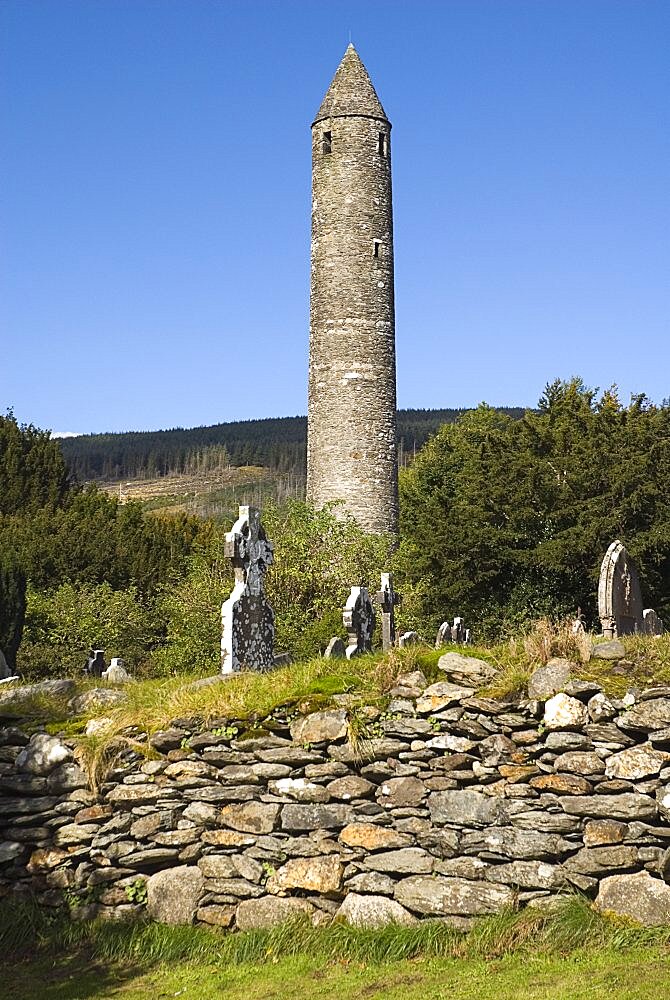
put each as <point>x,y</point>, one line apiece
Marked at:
<point>351,91</point>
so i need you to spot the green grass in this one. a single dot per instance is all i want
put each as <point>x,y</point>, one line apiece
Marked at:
<point>569,955</point>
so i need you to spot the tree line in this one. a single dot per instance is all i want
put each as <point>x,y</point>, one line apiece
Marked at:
<point>278,443</point>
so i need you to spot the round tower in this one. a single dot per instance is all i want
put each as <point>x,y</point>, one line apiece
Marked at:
<point>351,437</point>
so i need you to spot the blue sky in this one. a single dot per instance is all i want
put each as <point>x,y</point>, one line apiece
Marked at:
<point>155,200</point>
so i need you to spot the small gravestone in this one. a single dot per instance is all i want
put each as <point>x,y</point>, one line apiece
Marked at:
<point>652,624</point>
<point>5,672</point>
<point>116,672</point>
<point>247,619</point>
<point>456,632</point>
<point>335,650</point>
<point>359,621</point>
<point>388,601</point>
<point>619,595</point>
<point>408,639</point>
<point>95,664</point>
<point>443,635</point>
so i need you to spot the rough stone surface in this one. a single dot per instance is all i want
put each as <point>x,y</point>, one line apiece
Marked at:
<point>269,911</point>
<point>564,712</point>
<point>250,817</point>
<point>442,695</point>
<point>372,837</point>
<point>373,911</point>
<point>173,895</point>
<point>640,897</point>
<point>322,875</point>
<point>635,763</point>
<point>315,817</point>
<point>466,808</point>
<point>466,669</point>
<point>626,807</point>
<point>612,650</point>
<point>549,679</point>
<point>42,755</point>
<point>96,698</point>
<point>320,726</point>
<point>434,895</point>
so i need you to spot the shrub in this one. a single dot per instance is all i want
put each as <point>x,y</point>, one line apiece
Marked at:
<point>63,624</point>
<point>318,557</point>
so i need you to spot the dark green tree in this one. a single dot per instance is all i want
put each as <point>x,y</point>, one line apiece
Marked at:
<point>506,520</point>
<point>12,606</point>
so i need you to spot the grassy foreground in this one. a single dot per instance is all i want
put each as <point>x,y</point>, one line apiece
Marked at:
<point>572,954</point>
<point>632,974</point>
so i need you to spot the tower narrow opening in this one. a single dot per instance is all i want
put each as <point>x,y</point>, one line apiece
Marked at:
<point>376,249</point>
<point>382,144</point>
<point>327,142</point>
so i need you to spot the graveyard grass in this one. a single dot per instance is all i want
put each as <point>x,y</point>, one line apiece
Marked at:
<point>573,954</point>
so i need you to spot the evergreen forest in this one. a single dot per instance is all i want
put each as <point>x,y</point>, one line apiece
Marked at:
<point>278,443</point>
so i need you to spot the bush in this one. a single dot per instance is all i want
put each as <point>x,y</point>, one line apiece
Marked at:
<point>63,624</point>
<point>318,557</point>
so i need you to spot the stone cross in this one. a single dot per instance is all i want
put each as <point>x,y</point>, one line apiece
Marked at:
<point>359,621</point>
<point>619,595</point>
<point>388,600</point>
<point>247,619</point>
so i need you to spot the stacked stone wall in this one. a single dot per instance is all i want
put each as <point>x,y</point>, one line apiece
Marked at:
<point>450,806</point>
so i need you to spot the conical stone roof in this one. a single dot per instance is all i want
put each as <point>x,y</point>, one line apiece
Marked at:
<point>351,91</point>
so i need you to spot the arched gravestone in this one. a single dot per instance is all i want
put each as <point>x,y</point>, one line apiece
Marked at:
<point>619,596</point>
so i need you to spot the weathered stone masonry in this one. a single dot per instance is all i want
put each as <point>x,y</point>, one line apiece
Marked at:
<point>454,806</point>
<point>351,447</point>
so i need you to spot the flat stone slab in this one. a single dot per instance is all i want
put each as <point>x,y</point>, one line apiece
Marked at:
<point>640,897</point>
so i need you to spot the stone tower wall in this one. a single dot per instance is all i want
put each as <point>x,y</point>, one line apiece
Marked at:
<point>351,450</point>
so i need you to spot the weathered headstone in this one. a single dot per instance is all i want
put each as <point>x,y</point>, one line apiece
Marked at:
<point>408,639</point>
<point>619,595</point>
<point>388,600</point>
<point>5,672</point>
<point>443,635</point>
<point>335,650</point>
<point>652,624</point>
<point>116,672</point>
<point>95,664</point>
<point>247,619</point>
<point>359,621</point>
<point>456,632</point>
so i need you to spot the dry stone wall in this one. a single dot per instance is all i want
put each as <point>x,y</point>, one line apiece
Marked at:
<point>451,807</point>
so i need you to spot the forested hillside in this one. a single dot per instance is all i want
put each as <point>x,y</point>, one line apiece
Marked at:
<point>277,443</point>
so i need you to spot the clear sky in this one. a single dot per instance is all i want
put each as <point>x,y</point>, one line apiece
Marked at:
<point>155,200</point>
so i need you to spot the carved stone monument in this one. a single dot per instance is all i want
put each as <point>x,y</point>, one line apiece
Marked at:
<point>335,650</point>
<point>619,596</point>
<point>652,624</point>
<point>359,621</point>
<point>247,619</point>
<point>457,632</point>
<point>388,600</point>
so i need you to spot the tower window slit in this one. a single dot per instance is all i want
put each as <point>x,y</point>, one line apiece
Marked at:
<point>327,142</point>
<point>381,144</point>
<point>377,249</point>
